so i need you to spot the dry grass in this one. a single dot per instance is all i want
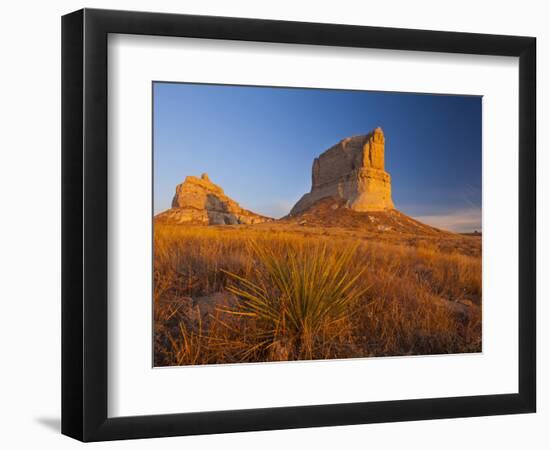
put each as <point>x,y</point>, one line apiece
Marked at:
<point>275,292</point>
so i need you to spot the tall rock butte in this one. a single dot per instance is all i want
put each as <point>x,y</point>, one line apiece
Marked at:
<point>352,170</point>
<point>199,201</point>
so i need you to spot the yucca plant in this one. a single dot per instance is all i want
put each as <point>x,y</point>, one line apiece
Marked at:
<point>297,293</point>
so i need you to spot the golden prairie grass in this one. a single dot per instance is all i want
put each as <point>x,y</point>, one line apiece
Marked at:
<point>251,294</point>
<point>296,294</point>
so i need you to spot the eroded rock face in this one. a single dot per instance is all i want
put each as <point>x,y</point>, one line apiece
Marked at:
<point>199,201</point>
<point>352,170</point>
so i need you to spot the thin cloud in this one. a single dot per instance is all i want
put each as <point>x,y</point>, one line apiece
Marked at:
<point>461,221</point>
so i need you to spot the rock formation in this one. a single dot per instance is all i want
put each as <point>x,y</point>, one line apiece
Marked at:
<point>332,212</point>
<point>199,201</point>
<point>352,170</point>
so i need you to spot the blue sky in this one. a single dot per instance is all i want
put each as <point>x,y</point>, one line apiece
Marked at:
<point>259,143</point>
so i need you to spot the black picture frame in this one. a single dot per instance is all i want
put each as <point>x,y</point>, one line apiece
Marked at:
<point>84,224</point>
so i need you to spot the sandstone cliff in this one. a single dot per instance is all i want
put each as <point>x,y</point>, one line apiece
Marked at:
<point>352,170</point>
<point>199,201</point>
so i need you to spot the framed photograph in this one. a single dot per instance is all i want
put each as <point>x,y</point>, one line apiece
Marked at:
<point>273,224</point>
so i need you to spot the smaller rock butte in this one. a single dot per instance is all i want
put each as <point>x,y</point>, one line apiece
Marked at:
<point>200,201</point>
<point>352,170</point>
